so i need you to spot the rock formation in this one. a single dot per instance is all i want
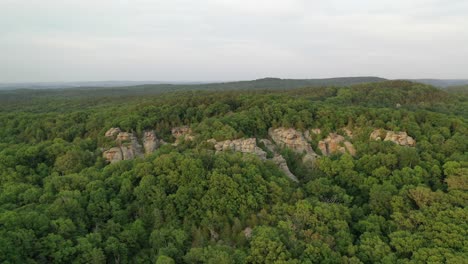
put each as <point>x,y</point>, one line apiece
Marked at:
<point>127,147</point>
<point>248,145</point>
<point>112,132</point>
<point>335,143</point>
<point>290,138</point>
<point>182,133</point>
<point>279,160</point>
<point>348,132</point>
<point>293,139</point>
<point>150,142</point>
<point>281,163</point>
<point>400,138</point>
<point>308,133</point>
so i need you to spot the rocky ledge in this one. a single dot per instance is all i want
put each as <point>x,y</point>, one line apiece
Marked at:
<point>294,140</point>
<point>400,138</point>
<point>334,144</point>
<point>127,145</point>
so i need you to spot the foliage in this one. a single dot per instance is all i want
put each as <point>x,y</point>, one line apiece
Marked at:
<point>61,203</point>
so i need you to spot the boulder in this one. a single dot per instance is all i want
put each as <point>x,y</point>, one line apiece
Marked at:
<point>378,134</point>
<point>400,138</point>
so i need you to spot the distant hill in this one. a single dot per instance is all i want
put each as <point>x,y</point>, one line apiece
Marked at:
<point>62,85</point>
<point>265,83</point>
<point>442,83</point>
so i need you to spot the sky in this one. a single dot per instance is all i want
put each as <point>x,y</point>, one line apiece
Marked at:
<point>213,40</point>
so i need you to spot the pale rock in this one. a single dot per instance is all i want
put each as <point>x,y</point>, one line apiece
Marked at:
<point>113,154</point>
<point>248,232</point>
<point>128,146</point>
<point>335,143</point>
<point>350,148</point>
<point>348,132</point>
<point>309,134</point>
<point>377,134</point>
<point>150,141</point>
<point>316,131</point>
<point>281,163</point>
<point>248,145</point>
<point>269,145</point>
<point>400,138</point>
<point>112,132</point>
<point>292,139</point>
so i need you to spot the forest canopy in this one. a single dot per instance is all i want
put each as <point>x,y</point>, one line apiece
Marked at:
<point>61,201</point>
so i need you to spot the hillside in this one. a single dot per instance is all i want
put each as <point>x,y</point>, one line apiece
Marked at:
<point>158,85</point>
<point>259,172</point>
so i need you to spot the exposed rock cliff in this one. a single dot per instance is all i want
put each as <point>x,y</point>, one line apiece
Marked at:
<point>281,163</point>
<point>112,132</point>
<point>279,160</point>
<point>290,138</point>
<point>294,140</point>
<point>400,138</point>
<point>127,147</point>
<point>335,143</point>
<point>150,142</point>
<point>247,145</point>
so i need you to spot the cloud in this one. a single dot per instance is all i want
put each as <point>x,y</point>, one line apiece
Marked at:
<point>53,40</point>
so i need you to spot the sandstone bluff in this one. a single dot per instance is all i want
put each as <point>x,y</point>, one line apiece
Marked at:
<point>127,146</point>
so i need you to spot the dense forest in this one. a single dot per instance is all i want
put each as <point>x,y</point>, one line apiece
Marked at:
<point>61,201</point>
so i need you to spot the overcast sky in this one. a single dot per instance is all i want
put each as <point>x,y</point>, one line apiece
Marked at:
<point>205,40</point>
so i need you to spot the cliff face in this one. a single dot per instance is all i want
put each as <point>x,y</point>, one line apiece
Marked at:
<point>247,145</point>
<point>335,143</point>
<point>279,160</point>
<point>290,138</point>
<point>400,138</point>
<point>150,142</point>
<point>127,147</point>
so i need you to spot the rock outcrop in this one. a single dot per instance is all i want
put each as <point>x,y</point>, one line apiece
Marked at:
<point>127,147</point>
<point>281,163</point>
<point>248,145</point>
<point>400,138</point>
<point>294,140</point>
<point>150,142</point>
<point>279,160</point>
<point>112,132</point>
<point>309,134</point>
<point>290,138</point>
<point>335,143</point>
